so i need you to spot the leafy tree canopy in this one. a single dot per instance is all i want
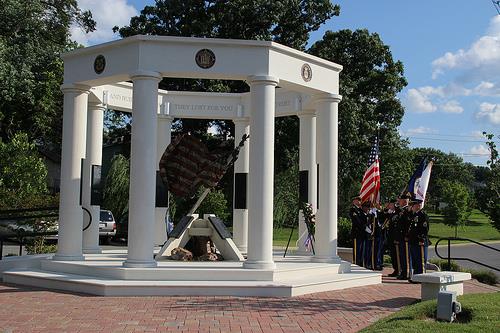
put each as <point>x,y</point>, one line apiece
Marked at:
<point>492,190</point>
<point>288,22</point>
<point>22,172</point>
<point>32,35</point>
<point>369,84</point>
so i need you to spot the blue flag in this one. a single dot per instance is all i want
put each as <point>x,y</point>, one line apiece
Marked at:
<point>415,177</point>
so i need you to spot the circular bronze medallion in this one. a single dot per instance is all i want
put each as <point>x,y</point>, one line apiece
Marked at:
<point>205,58</point>
<point>306,72</point>
<point>99,64</point>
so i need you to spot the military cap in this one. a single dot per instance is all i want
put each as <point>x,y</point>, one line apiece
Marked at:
<point>405,195</point>
<point>415,201</point>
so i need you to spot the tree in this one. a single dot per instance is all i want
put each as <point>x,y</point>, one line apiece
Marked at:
<point>492,196</point>
<point>369,84</point>
<point>32,35</point>
<point>116,187</point>
<point>23,173</point>
<point>286,197</point>
<point>457,199</point>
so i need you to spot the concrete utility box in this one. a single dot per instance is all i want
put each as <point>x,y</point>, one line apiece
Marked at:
<point>447,306</point>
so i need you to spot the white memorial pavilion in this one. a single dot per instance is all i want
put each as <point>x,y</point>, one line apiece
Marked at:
<point>283,82</point>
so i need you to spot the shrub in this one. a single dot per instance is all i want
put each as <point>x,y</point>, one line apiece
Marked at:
<point>214,203</point>
<point>37,245</point>
<point>484,276</point>
<point>344,232</point>
<point>443,265</point>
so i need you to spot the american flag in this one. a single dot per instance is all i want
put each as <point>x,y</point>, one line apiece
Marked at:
<point>370,186</point>
<point>187,164</point>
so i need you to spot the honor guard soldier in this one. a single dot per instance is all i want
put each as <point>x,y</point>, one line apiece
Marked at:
<point>391,228</point>
<point>357,231</point>
<point>378,238</point>
<point>403,250</point>
<point>418,236</point>
<point>368,228</point>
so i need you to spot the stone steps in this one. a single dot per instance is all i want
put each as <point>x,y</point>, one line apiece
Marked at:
<point>287,286</point>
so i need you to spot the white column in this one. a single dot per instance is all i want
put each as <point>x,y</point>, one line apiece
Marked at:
<point>261,173</point>
<point>164,138</point>
<point>95,119</point>
<point>327,140</point>
<point>73,150</point>
<point>307,162</point>
<point>240,215</point>
<point>143,170</point>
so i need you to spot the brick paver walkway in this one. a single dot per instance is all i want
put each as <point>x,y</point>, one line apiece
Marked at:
<point>37,310</point>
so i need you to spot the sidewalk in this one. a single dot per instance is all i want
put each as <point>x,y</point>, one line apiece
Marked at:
<point>37,310</point>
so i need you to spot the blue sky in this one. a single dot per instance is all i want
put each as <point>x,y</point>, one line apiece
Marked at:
<point>450,50</point>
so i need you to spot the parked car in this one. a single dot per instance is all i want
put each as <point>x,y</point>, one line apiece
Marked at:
<point>107,225</point>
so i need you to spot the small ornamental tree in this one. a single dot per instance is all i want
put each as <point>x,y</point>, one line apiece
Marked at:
<point>457,198</point>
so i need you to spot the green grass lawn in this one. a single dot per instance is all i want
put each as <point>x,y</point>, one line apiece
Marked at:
<point>280,236</point>
<point>480,313</point>
<point>478,228</point>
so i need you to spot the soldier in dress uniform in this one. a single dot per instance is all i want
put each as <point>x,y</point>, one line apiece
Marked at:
<point>378,238</point>
<point>368,228</point>
<point>391,228</point>
<point>357,231</point>
<point>418,236</point>
<point>402,210</point>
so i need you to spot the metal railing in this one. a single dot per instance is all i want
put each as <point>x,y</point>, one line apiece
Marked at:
<point>20,235</point>
<point>450,258</point>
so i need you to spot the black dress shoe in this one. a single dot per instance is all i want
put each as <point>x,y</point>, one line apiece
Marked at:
<point>402,277</point>
<point>393,274</point>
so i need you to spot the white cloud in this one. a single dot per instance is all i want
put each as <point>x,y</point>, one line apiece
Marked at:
<point>477,134</point>
<point>107,14</point>
<point>430,91</point>
<point>482,55</point>
<point>479,150</point>
<point>452,106</point>
<point>489,112</point>
<point>486,88</point>
<point>419,130</point>
<point>418,101</point>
